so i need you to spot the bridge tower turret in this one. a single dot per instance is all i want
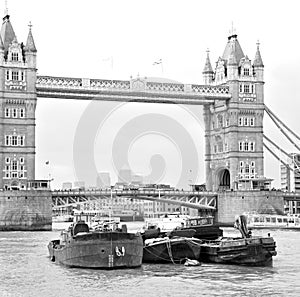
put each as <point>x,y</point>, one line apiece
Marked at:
<point>208,73</point>
<point>17,108</point>
<point>234,130</point>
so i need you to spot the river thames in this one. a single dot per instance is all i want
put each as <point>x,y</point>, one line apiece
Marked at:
<point>26,270</point>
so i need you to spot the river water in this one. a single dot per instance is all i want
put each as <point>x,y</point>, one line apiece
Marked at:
<point>26,270</point>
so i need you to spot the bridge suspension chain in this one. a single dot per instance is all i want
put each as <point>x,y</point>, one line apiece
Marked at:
<point>280,124</point>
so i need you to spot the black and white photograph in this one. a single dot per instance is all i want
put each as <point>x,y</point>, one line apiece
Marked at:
<point>149,148</point>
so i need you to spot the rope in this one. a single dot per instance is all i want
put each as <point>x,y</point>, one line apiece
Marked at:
<point>168,243</point>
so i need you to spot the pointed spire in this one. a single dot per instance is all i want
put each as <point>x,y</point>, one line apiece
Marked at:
<point>7,32</point>
<point>258,60</point>
<point>30,45</point>
<point>207,66</point>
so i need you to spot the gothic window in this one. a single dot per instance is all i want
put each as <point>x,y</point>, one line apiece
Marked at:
<point>7,160</point>
<point>22,75</point>
<point>252,89</point>
<point>252,146</point>
<point>7,112</point>
<point>241,164</point>
<point>22,112</point>
<point>241,88</point>
<point>7,140</point>
<point>247,169</point>
<point>14,57</point>
<point>245,121</point>
<point>246,88</point>
<point>241,146</point>
<point>14,165</point>
<point>252,122</point>
<point>14,140</point>
<point>7,74</point>
<point>21,160</point>
<point>21,140</point>
<point>246,71</point>
<point>14,113</point>
<point>240,121</point>
<point>246,146</point>
<point>15,75</point>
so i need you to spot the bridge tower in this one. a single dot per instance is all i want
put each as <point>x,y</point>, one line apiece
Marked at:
<point>234,130</point>
<point>17,108</point>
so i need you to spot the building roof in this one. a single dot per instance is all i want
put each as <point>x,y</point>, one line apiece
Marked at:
<point>233,50</point>
<point>7,33</point>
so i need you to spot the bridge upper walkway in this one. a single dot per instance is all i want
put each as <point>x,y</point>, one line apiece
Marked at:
<point>134,90</point>
<point>197,200</point>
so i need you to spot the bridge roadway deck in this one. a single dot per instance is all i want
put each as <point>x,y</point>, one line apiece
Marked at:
<point>134,90</point>
<point>197,200</point>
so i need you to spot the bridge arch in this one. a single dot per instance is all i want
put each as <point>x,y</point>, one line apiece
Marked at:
<point>223,179</point>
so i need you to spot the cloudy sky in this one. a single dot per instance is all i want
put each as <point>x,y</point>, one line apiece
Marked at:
<point>119,39</point>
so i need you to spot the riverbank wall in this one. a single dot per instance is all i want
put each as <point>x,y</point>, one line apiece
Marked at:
<point>232,203</point>
<point>29,210</point>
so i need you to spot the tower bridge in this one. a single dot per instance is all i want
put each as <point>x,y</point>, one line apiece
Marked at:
<point>233,102</point>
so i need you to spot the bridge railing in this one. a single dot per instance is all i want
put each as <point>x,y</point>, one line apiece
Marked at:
<point>130,192</point>
<point>67,83</point>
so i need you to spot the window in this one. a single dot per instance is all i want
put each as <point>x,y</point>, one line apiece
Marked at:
<point>246,71</point>
<point>14,140</point>
<point>245,121</point>
<point>14,57</point>
<point>240,146</point>
<point>252,122</point>
<point>227,122</point>
<point>241,164</point>
<point>21,160</point>
<point>241,121</point>
<point>21,140</point>
<point>15,75</point>
<point>14,175</point>
<point>220,121</point>
<point>7,160</point>
<point>246,88</point>
<point>22,112</point>
<point>246,146</point>
<point>252,146</point>
<point>7,140</point>
<point>7,74</point>
<point>247,169</point>
<point>252,89</point>
<point>7,112</point>
<point>22,75</point>
<point>241,88</point>
<point>14,165</point>
<point>14,113</point>
<point>252,164</point>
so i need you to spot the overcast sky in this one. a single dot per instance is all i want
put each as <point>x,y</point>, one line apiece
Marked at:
<point>119,39</point>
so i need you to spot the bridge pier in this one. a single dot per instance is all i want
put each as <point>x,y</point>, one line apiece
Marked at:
<point>232,203</point>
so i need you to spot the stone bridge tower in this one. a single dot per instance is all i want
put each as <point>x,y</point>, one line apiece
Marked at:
<point>234,130</point>
<point>17,108</point>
